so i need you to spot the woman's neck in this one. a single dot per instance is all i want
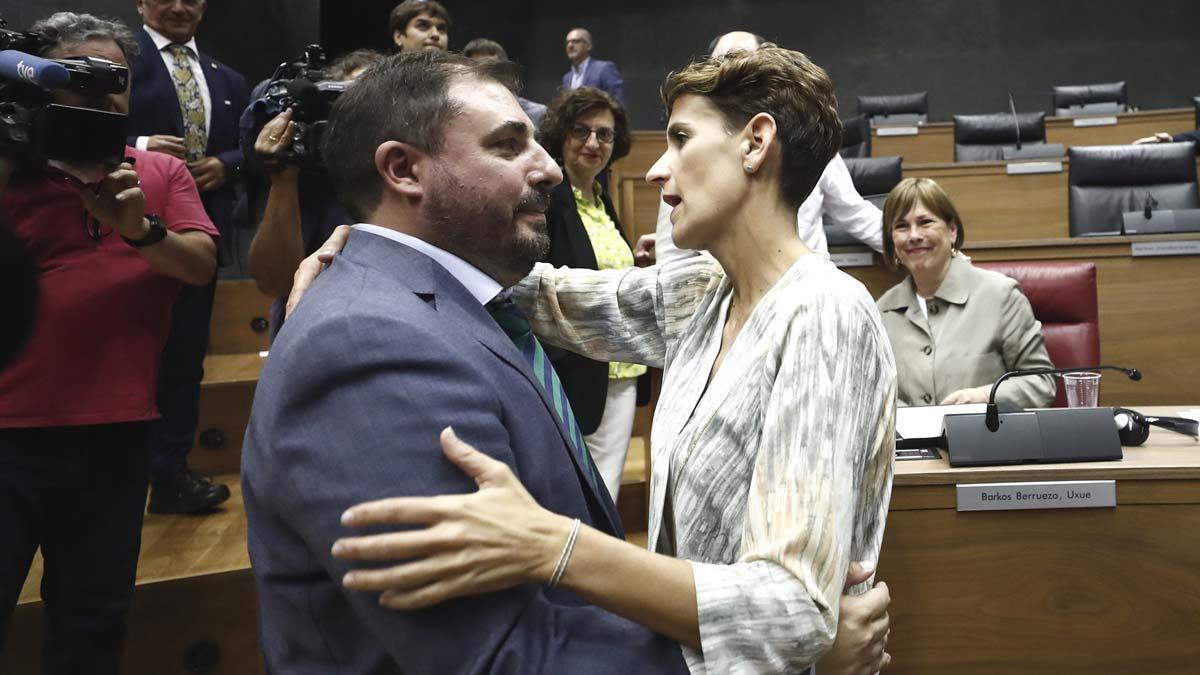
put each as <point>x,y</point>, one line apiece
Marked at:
<point>583,183</point>
<point>929,281</point>
<point>757,250</point>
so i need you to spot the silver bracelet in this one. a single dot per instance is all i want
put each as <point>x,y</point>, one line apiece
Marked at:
<point>566,555</point>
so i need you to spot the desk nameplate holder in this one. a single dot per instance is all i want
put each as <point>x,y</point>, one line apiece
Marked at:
<point>1067,494</point>
<point>1036,436</point>
<point>858,259</point>
<point>1164,221</point>
<point>1143,249</point>
<point>1026,168</point>
<point>1095,121</point>
<point>890,130</point>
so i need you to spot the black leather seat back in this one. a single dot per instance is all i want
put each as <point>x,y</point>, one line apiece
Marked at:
<point>1108,180</point>
<point>856,137</point>
<point>1083,94</point>
<point>982,138</point>
<point>895,104</point>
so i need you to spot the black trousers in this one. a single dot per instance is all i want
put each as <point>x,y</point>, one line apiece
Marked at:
<point>179,379</point>
<point>78,493</point>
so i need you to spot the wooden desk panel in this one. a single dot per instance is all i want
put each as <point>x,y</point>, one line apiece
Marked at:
<point>1049,591</point>
<point>1143,320</point>
<point>935,141</point>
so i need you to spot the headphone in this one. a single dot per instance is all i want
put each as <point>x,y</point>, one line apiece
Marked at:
<point>1133,427</point>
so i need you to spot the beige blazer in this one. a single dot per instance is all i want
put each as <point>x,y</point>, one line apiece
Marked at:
<point>980,325</point>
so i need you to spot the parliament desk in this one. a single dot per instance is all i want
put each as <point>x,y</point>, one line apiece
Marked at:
<point>1147,316</point>
<point>1062,591</point>
<point>934,142</point>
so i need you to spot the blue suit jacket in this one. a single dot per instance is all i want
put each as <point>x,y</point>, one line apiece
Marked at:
<point>601,75</point>
<point>387,350</point>
<point>154,109</point>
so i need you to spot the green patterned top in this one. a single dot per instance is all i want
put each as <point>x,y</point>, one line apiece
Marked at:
<point>612,253</point>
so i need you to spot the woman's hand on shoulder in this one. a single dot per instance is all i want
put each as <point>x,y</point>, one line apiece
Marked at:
<point>313,265</point>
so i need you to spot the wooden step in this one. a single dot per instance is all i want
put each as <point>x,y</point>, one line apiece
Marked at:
<point>240,319</point>
<point>225,399</point>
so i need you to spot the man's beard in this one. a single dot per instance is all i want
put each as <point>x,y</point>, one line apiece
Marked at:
<point>467,223</point>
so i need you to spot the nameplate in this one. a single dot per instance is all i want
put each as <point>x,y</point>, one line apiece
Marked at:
<point>1156,248</point>
<point>1022,168</point>
<point>896,131</point>
<point>1082,494</point>
<point>1098,121</point>
<point>852,259</point>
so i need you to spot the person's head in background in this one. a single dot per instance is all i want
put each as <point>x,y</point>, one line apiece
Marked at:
<point>176,20</point>
<point>579,45</point>
<point>435,145</point>
<point>921,230</point>
<point>420,25</point>
<point>585,130</point>
<point>350,65</point>
<point>483,49</point>
<point>749,135</point>
<point>70,35</point>
<point>734,41</point>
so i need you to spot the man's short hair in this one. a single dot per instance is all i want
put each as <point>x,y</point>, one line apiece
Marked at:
<point>484,47</point>
<point>68,29</point>
<point>411,9</point>
<point>347,63</point>
<point>587,34</point>
<point>405,97</point>
<point>783,83</point>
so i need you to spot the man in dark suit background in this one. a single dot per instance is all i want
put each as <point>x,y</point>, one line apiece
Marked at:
<point>186,104</point>
<point>588,72</point>
<point>399,339</point>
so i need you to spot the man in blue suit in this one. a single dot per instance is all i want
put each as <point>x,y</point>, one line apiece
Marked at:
<point>588,72</point>
<point>186,104</point>
<point>398,340</point>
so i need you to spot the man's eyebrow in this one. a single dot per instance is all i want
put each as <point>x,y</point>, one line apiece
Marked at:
<point>509,128</point>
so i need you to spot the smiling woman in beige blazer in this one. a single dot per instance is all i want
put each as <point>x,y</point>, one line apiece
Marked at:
<point>954,328</point>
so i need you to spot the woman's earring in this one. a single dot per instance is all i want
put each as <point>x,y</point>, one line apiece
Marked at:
<point>749,169</point>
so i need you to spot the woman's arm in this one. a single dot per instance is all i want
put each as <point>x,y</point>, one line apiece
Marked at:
<point>629,315</point>
<point>1024,347</point>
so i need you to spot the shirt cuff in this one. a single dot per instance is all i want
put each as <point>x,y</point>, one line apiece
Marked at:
<point>143,143</point>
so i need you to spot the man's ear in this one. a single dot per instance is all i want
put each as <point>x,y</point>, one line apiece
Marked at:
<point>398,165</point>
<point>758,136</point>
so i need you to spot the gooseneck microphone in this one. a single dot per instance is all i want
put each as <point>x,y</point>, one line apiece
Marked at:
<point>1016,120</point>
<point>992,416</point>
<point>19,66</point>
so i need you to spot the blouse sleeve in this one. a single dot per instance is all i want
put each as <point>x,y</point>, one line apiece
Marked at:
<point>818,496</point>
<point>1024,347</point>
<point>631,315</point>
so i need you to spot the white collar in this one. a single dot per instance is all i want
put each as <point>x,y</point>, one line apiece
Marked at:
<point>162,41</point>
<point>481,287</point>
<point>582,65</point>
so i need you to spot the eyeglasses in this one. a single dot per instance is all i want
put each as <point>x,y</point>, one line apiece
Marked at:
<point>604,135</point>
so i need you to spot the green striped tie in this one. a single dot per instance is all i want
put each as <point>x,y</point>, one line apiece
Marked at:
<point>516,326</point>
<point>195,130</point>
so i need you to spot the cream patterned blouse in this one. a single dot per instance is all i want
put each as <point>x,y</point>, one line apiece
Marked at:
<point>774,477</point>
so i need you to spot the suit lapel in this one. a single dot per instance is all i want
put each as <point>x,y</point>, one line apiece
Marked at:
<point>160,79</point>
<point>456,305</point>
<point>582,252</point>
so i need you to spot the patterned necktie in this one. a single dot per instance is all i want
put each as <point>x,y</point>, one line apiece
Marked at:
<point>516,326</point>
<point>195,131</point>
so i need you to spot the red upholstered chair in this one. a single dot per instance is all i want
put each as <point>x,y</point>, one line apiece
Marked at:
<point>1063,296</point>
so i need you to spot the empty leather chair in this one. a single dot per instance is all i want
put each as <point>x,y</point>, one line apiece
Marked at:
<point>856,137</point>
<point>874,178</point>
<point>894,104</point>
<point>1108,180</point>
<point>1063,298</point>
<point>1087,94</point>
<point>983,138</point>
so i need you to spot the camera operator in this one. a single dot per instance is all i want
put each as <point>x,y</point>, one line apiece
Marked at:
<point>112,246</point>
<point>301,209</point>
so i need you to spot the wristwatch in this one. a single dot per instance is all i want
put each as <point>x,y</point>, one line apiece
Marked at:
<point>157,232</point>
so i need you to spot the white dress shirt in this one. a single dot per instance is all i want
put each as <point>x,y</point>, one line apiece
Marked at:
<point>577,73</point>
<point>833,197</point>
<point>161,42</point>
<point>481,287</point>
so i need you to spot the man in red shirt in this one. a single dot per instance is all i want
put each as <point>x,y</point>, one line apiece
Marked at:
<point>112,247</point>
